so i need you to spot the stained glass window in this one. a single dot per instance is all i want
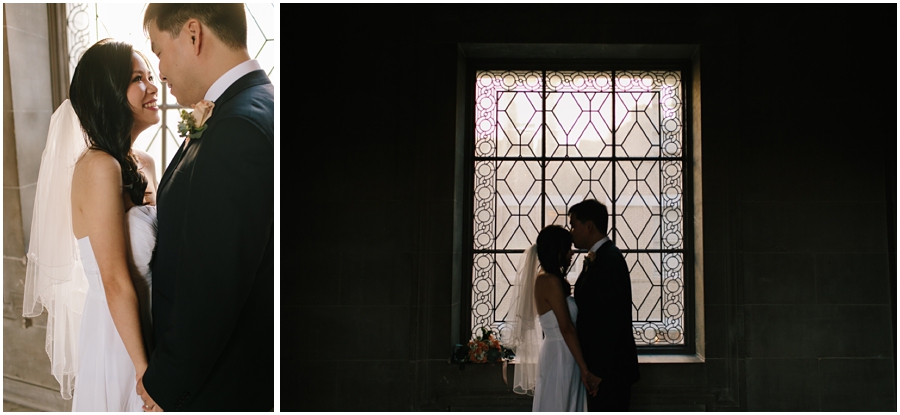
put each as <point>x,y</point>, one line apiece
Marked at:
<point>545,140</point>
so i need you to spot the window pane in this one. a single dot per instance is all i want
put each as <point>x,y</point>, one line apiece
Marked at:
<point>672,204</point>
<point>494,289</point>
<point>637,210</point>
<point>513,97</point>
<point>519,118</point>
<point>650,113</point>
<point>646,285</point>
<point>658,298</point>
<point>572,181</point>
<point>649,205</point>
<point>485,205</point>
<point>638,126</point>
<point>518,204</point>
<point>578,124</point>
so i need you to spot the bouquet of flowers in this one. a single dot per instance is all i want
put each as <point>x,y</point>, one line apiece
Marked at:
<point>483,349</point>
<point>486,349</point>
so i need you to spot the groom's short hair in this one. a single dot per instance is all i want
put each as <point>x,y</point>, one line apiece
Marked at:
<point>227,20</point>
<point>591,210</point>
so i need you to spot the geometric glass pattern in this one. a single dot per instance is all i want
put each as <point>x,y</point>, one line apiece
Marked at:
<point>546,140</point>
<point>90,22</point>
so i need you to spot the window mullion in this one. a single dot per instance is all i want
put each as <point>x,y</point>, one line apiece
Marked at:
<point>615,162</point>
<point>543,162</point>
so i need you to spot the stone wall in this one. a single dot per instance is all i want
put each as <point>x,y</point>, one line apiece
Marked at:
<point>27,108</point>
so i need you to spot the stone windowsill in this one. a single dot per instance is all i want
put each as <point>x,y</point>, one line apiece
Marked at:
<point>658,358</point>
<point>671,358</point>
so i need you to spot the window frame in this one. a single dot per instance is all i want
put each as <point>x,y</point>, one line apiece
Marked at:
<point>692,328</point>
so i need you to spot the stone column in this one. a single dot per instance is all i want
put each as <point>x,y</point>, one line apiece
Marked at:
<point>27,107</point>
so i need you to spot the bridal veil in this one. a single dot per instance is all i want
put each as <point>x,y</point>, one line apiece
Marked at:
<point>526,335</point>
<point>54,276</point>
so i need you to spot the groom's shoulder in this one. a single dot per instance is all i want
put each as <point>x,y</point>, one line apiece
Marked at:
<point>609,247</point>
<point>617,259</point>
<point>255,104</point>
<point>612,250</point>
<point>255,98</point>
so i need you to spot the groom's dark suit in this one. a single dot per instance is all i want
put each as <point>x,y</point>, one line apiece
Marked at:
<point>213,269</point>
<point>603,295</point>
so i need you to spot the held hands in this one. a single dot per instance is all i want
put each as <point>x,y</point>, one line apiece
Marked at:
<point>149,404</point>
<point>591,382</point>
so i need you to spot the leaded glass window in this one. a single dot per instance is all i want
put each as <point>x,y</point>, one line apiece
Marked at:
<point>545,140</point>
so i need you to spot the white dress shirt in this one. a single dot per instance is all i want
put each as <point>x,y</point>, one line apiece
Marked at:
<point>218,88</point>
<point>599,244</point>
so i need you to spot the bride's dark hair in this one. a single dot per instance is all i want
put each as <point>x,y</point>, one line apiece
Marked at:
<point>99,96</point>
<point>553,244</point>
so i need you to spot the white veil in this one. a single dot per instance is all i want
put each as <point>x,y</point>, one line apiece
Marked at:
<point>54,276</point>
<point>526,334</point>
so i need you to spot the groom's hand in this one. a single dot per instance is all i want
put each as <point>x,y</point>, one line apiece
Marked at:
<point>149,404</point>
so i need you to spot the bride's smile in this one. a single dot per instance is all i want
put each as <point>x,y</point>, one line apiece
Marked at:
<point>142,96</point>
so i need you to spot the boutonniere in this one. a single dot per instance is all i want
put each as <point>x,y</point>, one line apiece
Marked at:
<point>193,123</point>
<point>588,259</point>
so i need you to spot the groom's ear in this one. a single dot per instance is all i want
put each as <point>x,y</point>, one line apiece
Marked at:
<point>195,30</point>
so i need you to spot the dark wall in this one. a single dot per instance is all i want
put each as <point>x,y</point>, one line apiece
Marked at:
<point>799,202</point>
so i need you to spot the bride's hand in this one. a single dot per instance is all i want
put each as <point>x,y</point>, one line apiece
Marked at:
<point>591,382</point>
<point>149,404</point>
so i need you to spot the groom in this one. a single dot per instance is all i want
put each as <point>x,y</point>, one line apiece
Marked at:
<point>213,269</point>
<point>603,296</point>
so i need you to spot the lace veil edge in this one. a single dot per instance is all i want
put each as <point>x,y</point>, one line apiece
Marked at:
<point>525,334</point>
<point>54,275</point>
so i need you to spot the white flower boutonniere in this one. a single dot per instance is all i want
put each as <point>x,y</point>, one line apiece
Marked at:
<point>193,123</point>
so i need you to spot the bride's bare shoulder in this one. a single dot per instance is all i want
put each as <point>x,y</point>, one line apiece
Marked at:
<point>543,278</point>
<point>546,282</point>
<point>96,165</point>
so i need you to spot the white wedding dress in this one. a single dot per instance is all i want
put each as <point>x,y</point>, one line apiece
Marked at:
<point>559,387</point>
<point>106,379</point>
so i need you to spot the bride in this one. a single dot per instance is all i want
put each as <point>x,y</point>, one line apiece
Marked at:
<point>553,369</point>
<point>94,230</point>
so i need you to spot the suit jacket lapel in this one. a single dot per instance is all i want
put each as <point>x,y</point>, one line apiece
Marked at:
<point>600,254</point>
<point>594,266</point>
<point>172,166</point>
